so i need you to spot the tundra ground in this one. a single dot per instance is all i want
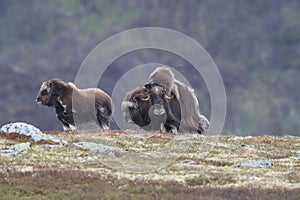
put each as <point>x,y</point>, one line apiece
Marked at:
<point>154,166</point>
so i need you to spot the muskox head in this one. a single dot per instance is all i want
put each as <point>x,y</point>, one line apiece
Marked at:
<point>152,108</point>
<point>135,104</point>
<point>49,92</point>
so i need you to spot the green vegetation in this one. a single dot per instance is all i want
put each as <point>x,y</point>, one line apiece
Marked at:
<point>255,45</point>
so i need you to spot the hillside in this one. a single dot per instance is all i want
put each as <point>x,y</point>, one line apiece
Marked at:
<point>255,45</point>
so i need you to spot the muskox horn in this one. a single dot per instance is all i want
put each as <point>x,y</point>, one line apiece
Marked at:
<point>146,99</point>
<point>169,97</point>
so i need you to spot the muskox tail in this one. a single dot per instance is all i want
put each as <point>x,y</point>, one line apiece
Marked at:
<point>104,112</point>
<point>103,120</point>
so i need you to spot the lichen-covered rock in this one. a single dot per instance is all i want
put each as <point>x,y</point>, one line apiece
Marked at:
<point>16,149</point>
<point>21,128</point>
<point>24,130</point>
<point>97,149</point>
<point>255,163</point>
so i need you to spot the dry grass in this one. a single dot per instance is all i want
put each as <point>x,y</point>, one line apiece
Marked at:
<point>157,166</point>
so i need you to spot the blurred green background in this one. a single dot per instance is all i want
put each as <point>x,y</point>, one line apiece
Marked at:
<point>255,44</point>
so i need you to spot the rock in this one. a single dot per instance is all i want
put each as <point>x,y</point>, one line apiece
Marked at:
<point>96,149</point>
<point>255,163</point>
<point>190,162</point>
<point>298,154</point>
<point>24,130</point>
<point>16,149</point>
<point>254,178</point>
<point>251,150</point>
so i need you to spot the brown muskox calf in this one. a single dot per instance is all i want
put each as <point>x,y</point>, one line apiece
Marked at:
<point>75,106</point>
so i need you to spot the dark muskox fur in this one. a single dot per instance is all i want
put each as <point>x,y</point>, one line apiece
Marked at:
<point>133,105</point>
<point>184,103</point>
<point>76,106</point>
<point>148,107</point>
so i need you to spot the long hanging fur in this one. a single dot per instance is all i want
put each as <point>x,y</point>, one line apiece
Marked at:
<point>191,119</point>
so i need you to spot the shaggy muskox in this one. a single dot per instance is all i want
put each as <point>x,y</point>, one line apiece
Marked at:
<point>178,100</point>
<point>76,106</point>
<point>151,108</point>
<point>191,120</point>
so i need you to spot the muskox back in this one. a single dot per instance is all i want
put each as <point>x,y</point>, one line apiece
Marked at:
<point>92,105</point>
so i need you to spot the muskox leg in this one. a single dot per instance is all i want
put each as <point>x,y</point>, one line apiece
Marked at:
<point>162,128</point>
<point>72,128</point>
<point>66,126</point>
<point>171,128</point>
<point>67,121</point>
<point>172,124</point>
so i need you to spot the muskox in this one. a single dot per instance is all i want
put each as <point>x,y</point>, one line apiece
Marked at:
<point>151,108</point>
<point>75,106</point>
<point>191,120</point>
<point>179,102</point>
